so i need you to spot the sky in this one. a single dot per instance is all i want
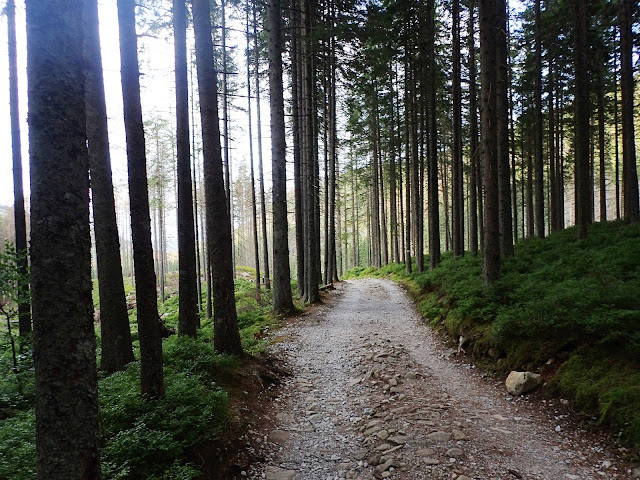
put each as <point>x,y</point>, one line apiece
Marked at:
<point>158,95</point>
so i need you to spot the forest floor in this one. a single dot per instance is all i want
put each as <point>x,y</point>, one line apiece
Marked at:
<point>374,393</point>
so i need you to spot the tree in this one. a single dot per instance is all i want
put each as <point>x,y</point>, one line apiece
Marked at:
<point>67,435</point>
<point>631,207</point>
<point>263,202</point>
<point>582,119</point>
<point>187,286</point>
<point>152,380</point>
<point>539,154</point>
<point>434,204</point>
<point>117,349</point>
<point>488,58</point>
<point>254,215</point>
<point>24,307</point>
<point>282,299</point>
<point>226,335</point>
<point>457,167</point>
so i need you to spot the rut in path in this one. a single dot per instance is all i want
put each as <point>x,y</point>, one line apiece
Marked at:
<point>375,394</point>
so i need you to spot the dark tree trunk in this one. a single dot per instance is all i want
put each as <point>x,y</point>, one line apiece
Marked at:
<point>282,299</point>
<point>66,382</point>
<point>457,181</point>
<point>152,382</point>
<point>263,202</point>
<point>432,150</point>
<point>407,169</point>
<point>475,179</point>
<point>393,189</point>
<point>553,170</point>
<point>601,148</point>
<point>539,159</point>
<point>297,119</point>
<point>617,142</point>
<point>582,120</point>
<point>24,307</point>
<point>254,215</point>
<point>333,157</point>
<point>502,127</point>
<point>117,349</point>
<point>631,208</point>
<point>187,284</point>
<point>488,24</point>
<point>226,335</point>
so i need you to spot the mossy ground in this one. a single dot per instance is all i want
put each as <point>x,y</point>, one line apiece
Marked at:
<point>178,436</point>
<point>561,302</point>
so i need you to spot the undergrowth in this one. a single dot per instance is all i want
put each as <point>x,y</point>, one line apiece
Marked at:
<point>560,302</point>
<point>144,439</point>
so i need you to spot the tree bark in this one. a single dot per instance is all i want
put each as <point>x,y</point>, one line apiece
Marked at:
<point>539,158</point>
<point>24,307</point>
<point>226,335</point>
<point>456,153</point>
<point>152,382</point>
<point>582,120</point>
<point>282,299</point>
<point>631,205</point>
<point>263,202</point>
<point>488,25</point>
<point>187,284</point>
<point>66,383</point>
<point>432,154</point>
<point>475,179</point>
<point>117,349</point>
<point>254,216</point>
<point>502,127</point>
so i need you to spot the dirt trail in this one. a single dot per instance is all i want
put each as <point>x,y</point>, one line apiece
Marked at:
<point>375,394</point>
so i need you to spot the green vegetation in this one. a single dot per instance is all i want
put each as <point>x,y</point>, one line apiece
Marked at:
<point>561,302</point>
<point>143,439</point>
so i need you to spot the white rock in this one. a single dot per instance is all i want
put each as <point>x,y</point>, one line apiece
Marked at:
<point>522,382</point>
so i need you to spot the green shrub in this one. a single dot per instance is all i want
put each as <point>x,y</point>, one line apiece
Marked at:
<point>18,446</point>
<point>146,437</point>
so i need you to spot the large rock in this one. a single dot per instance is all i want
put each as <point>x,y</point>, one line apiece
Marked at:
<point>522,382</point>
<point>277,473</point>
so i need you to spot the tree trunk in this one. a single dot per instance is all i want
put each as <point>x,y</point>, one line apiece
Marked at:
<point>502,127</point>
<point>432,154</point>
<point>582,120</point>
<point>282,299</point>
<point>456,147</point>
<point>152,382</point>
<point>475,180</point>
<point>488,57</point>
<point>539,159</point>
<point>226,335</point>
<point>66,382</point>
<point>187,284</point>
<point>616,134</point>
<point>254,216</point>
<point>631,208</point>
<point>117,349</point>
<point>263,202</point>
<point>24,307</point>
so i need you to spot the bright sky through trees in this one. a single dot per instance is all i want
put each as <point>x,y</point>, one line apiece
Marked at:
<point>158,93</point>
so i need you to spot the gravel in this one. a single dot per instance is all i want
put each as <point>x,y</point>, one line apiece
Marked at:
<point>376,394</point>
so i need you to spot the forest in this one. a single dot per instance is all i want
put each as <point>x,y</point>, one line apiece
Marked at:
<point>483,154</point>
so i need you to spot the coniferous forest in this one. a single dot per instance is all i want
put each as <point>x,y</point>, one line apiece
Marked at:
<point>481,153</point>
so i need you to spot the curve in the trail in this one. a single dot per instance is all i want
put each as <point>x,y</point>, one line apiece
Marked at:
<point>375,394</point>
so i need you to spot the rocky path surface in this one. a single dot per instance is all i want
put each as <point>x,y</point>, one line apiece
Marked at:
<point>375,394</point>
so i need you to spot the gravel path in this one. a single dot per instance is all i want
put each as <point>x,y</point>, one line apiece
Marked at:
<point>375,394</point>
